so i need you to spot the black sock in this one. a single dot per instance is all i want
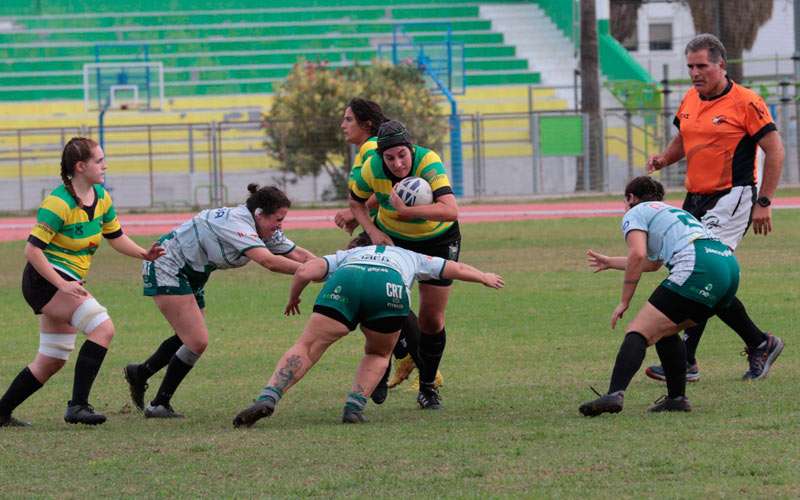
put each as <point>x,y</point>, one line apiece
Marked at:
<point>90,358</point>
<point>629,360</point>
<point>401,347</point>
<point>176,371</point>
<point>431,348</point>
<point>160,358</point>
<point>736,317</point>
<point>672,353</point>
<point>691,337</point>
<point>20,389</point>
<point>411,333</point>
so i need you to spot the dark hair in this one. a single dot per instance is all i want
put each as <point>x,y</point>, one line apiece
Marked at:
<point>369,114</point>
<point>645,188</point>
<point>76,150</point>
<point>268,198</point>
<point>707,41</point>
<point>362,240</point>
<point>392,133</point>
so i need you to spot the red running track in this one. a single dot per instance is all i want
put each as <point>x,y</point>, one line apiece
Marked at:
<point>18,228</point>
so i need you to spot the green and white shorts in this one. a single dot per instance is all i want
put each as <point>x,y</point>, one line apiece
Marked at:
<point>374,296</point>
<point>171,275</point>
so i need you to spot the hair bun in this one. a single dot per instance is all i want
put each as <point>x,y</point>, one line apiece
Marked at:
<point>252,187</point>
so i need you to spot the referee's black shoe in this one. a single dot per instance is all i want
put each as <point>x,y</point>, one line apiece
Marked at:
<point>378,395</point>
<point>428,397</point>
<point>607,403</point>
<point>83,414</point>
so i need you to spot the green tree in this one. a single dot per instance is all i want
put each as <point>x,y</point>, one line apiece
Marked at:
<point>302,127</point>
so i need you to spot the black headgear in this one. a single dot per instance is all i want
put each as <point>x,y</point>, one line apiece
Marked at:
<point>391,134</point>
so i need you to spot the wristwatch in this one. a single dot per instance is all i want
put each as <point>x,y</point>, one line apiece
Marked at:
<point>764,201</point>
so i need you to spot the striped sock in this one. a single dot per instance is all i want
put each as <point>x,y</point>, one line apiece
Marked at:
<point>270,392</point>
<point>355,401</point>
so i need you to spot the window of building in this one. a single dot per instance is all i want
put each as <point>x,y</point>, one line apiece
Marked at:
<point>661,36</point>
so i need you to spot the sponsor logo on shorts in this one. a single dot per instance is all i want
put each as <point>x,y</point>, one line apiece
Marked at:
<point>452,251</point>
<point>394,291</point>
<point>722,253</point>
<point>392,305</point>
<point>336,296</point>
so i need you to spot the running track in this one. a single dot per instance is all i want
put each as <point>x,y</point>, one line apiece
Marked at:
<point>18,228</point>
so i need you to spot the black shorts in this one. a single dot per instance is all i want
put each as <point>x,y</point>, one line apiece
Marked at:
<point>37,290</point>
<point>446,246</point>
<point>678,308</point>
<point>388,324</point>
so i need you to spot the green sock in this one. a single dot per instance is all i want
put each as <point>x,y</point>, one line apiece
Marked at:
<point>356,401</point>
<point>270,392</point>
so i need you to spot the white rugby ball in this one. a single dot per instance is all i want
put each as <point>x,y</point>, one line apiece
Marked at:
<point>414,191</point>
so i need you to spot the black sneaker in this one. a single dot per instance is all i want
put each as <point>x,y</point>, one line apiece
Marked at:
<point>255,412</point>
<point>351,416</point>
<point>160,411</point>
<point>136,386</point>
<point>680,403</point>
<point>656,372</point>
<point>9,421</point>
<point>378,395</point>
<point>607,403</point>
<point>428,397</point>
<point>761,359</point>
<point>83,414</point>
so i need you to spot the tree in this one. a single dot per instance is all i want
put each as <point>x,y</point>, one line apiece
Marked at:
<point>735,22</point>
<point>302,127</point>
<point>624,15</point>
<point>590,97</point>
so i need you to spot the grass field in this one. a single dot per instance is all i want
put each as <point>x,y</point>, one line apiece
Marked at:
<point>519,362</point>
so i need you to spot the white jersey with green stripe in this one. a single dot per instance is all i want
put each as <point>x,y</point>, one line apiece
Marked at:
<point>218,238</point>
<point>410,265</point>
<point>69,234</point>
<point>669,229</point>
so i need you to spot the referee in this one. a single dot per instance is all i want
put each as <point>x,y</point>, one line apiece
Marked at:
<point>720,126</point>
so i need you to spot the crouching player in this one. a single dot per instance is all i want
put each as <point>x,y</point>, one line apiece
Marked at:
<point>366,284</point>
<point>702,281</point>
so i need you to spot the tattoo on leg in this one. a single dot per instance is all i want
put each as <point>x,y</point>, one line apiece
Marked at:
<point>286,373</point>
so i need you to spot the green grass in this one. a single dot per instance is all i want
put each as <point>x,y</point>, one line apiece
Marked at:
<point>519,362</point>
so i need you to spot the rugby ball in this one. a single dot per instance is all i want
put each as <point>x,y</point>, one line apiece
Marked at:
<point>414,191</point>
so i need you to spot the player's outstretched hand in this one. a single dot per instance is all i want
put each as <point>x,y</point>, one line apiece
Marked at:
<point>492,280</point>
<point>378,237</point>
<point>655,162</point>
<point>154,252</point>
<point>597,261</point>
<point>346,220</point>
<point>293,307</point>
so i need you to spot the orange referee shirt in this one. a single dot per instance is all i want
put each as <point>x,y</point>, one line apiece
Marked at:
<point>720,135</point>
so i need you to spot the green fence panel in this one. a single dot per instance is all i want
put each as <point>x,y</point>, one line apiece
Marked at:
<point>561,135</point>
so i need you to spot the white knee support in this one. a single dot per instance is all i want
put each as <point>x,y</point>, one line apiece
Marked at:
<point>88,316</point>
<point>57,345</point>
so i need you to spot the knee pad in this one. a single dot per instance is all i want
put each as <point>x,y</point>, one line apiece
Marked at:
<point>187,355</point>
<point>57,345</point>
<point>88,316</point>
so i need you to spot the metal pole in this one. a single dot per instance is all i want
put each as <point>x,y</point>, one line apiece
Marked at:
<point>796,59</point>
<point>475,156</point>
<point>784,127</point>
<point>150,163</point>
<point>537,152</point>
<point>212,168</point>
<point>586,138</point>
<point>629,142</point>
<point>19,165</point>
<point>667,123</point>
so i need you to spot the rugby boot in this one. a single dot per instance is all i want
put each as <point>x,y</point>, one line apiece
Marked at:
<point>607,403</point>
<point>261,408</point>
<point>656,372</point>
<point>160,411</point>
<point>402,370</point>
<point>9,421</point>
<point>136,385</point>
<point>761,358</point>
<point>352,416</point>
<point>428,397</point>
<point>83,414</point>
<point>664,403</point>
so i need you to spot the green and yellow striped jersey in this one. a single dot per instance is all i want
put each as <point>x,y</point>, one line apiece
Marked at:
<point>68,234</point>
<point>366,151</point>
<point>374,177</point>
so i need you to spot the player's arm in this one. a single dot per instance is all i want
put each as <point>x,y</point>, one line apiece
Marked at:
<point>300,254</point>
<point>670,155</point>
<point>36,257</point>
<point>637,255</point>
<point>600,262</point>
<point>445,208</point>
<point>313,270</point>
<point>126,246</point>
<point>773,165</point>
<point>464,272</point>
<point>361,212</point>
<point>268,260</point>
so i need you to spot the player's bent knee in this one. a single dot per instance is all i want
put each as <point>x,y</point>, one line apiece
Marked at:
<point>89,315</point>
<point>57,345</point>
